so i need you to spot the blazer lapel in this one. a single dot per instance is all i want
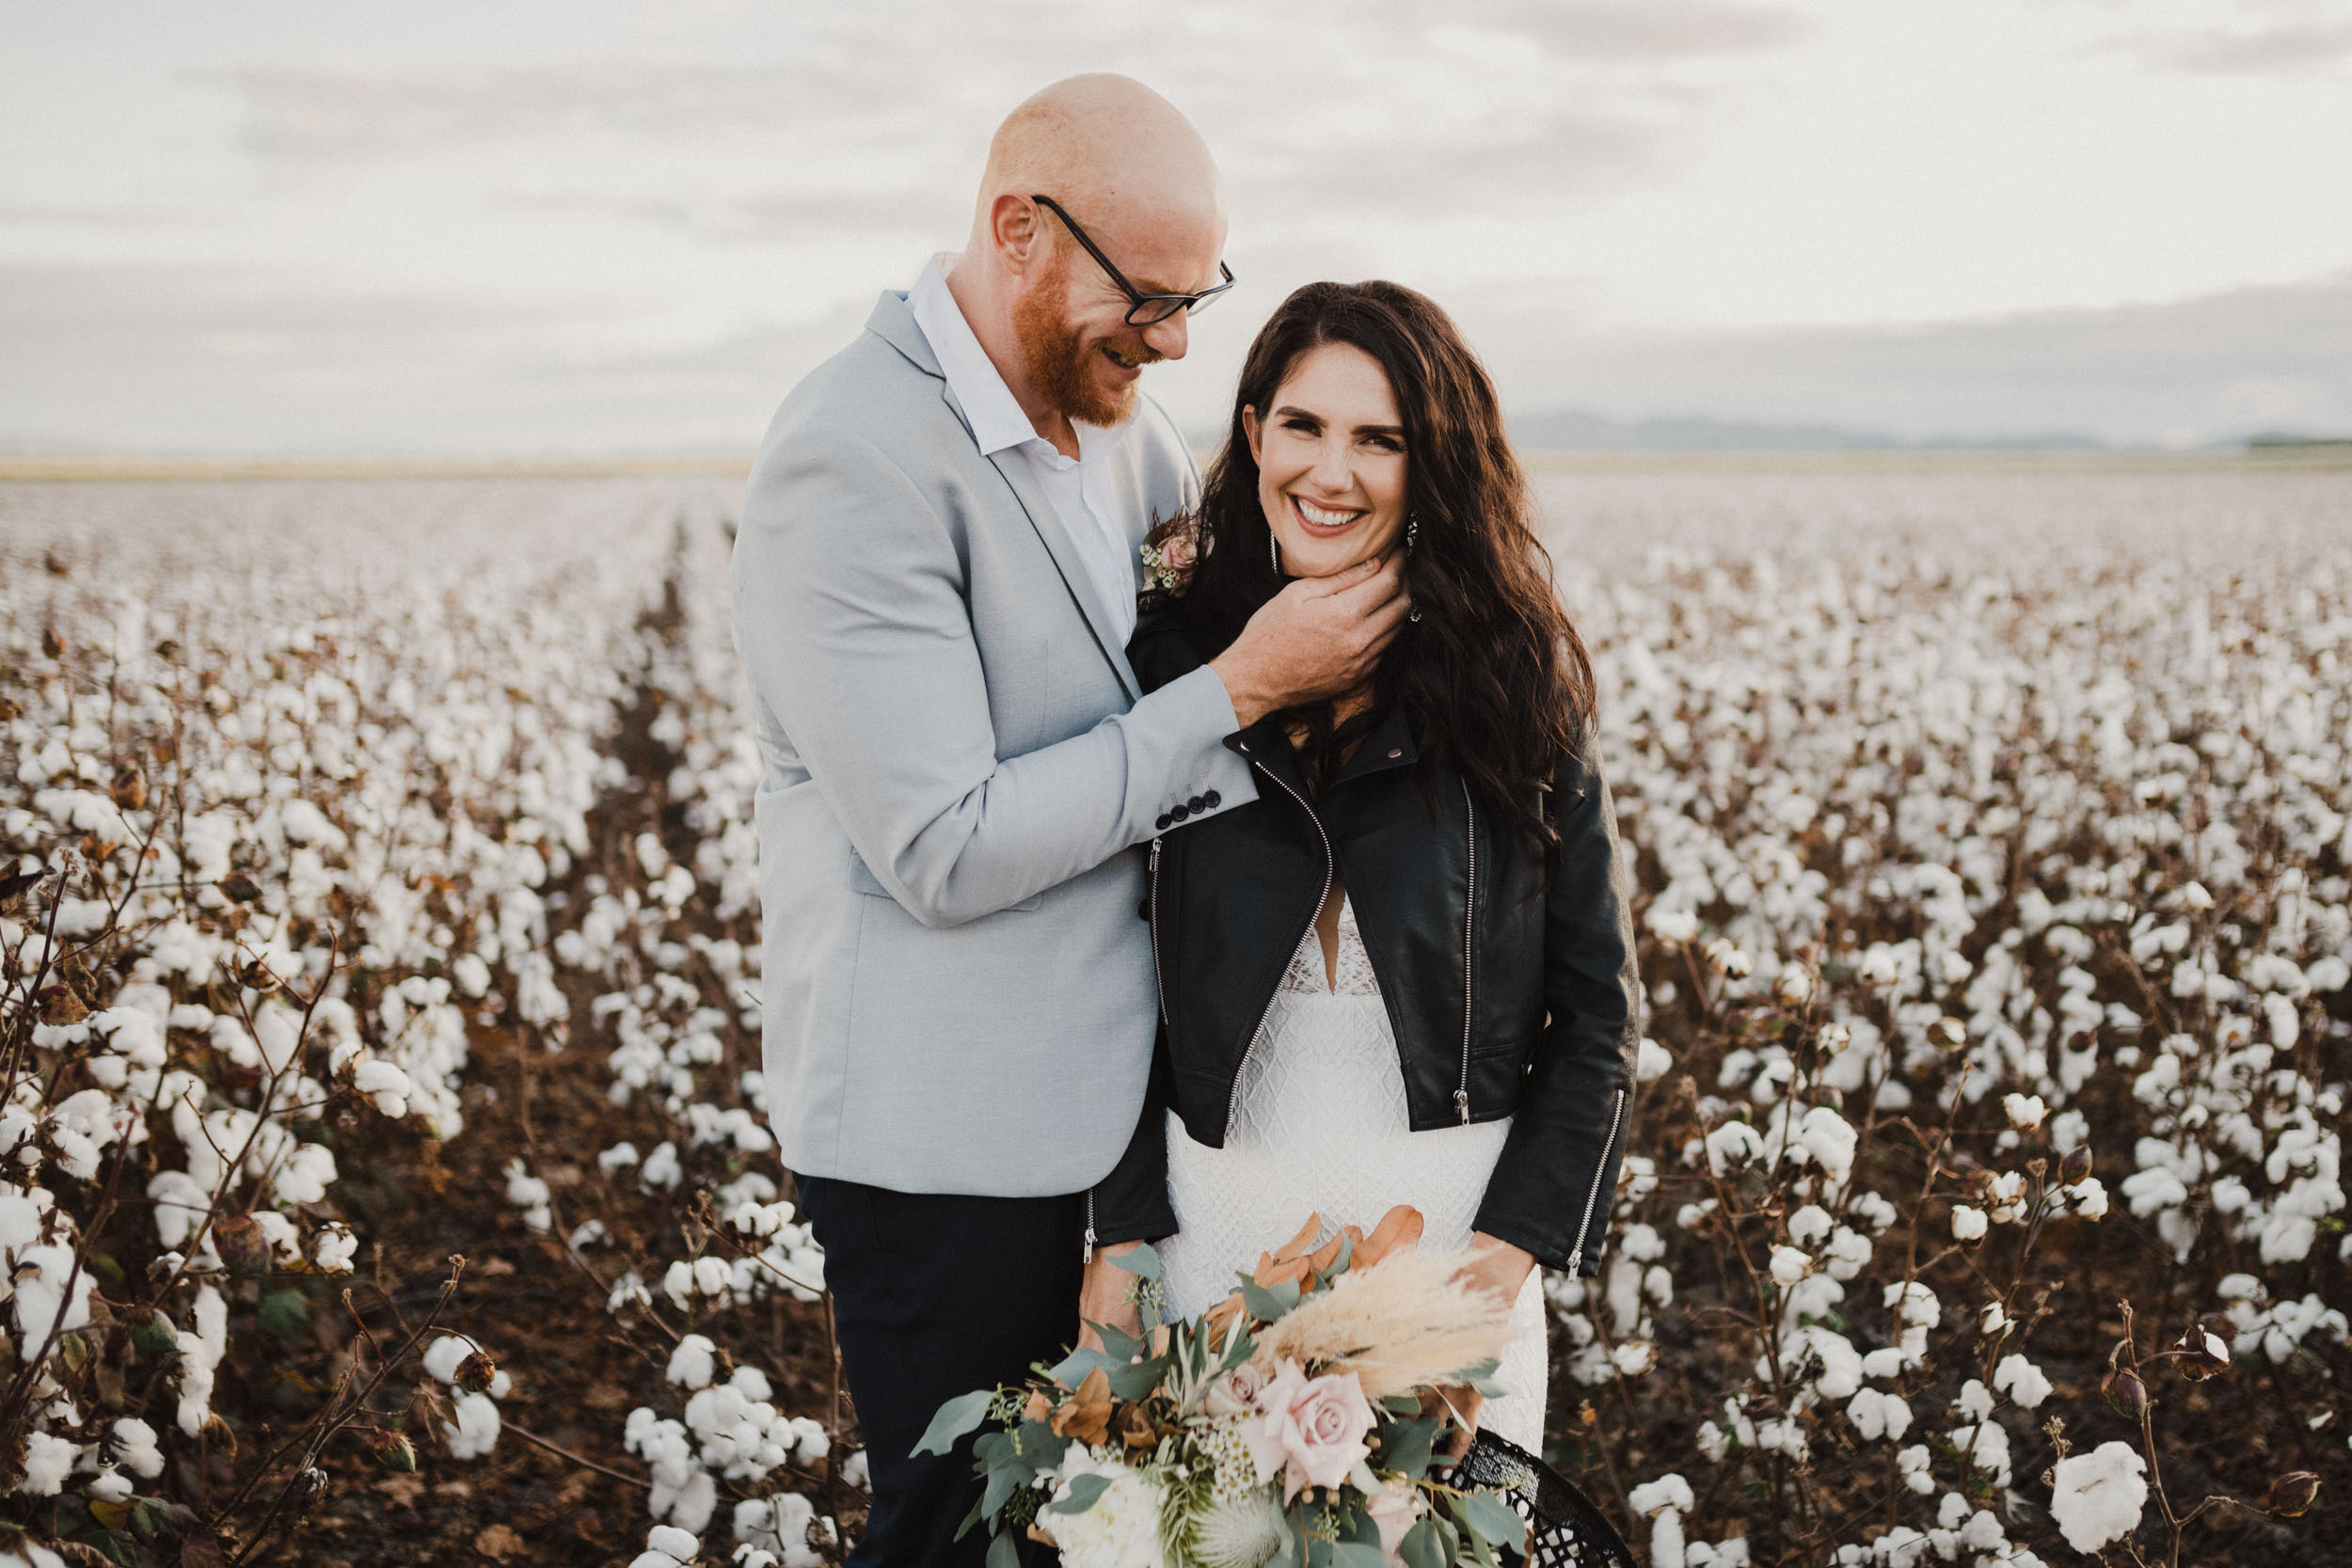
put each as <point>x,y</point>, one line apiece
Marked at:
<point>1043,517</point>
<point>895,324</point>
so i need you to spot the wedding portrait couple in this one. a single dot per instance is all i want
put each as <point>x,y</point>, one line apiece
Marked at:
<point>1209,863</point>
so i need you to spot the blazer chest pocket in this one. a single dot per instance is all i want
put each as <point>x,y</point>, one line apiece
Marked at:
<point>864,880</point>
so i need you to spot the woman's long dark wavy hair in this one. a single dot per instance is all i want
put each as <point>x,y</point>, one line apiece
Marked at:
<point>1493,675</point>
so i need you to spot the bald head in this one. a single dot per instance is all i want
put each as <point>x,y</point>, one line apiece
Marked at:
<point>1118,159</point>
<point>1110,149</point>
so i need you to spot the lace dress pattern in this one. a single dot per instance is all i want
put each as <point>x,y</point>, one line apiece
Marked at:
<point>1319,1126</point>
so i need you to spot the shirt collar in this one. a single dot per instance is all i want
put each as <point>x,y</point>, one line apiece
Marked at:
<point>997,421</point>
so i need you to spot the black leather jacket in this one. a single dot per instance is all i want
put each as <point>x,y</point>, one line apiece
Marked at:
<point>1510,984</point>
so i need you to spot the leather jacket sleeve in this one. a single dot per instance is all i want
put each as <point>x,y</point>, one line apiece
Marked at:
<point>1131,1204</point>
<point>1553,1189</point>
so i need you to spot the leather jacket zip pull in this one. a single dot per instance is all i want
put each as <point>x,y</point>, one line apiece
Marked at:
<point>1087,1256</point>
<point>1151,913</point>
<point>1584,1226</point>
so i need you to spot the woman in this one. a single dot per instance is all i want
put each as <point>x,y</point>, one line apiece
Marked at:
<point>1405,973</point>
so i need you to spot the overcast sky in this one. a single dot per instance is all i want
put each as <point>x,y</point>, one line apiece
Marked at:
<point>596,228</point>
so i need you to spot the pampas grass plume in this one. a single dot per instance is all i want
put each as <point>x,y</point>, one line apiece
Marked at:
<point>1408,1323</point>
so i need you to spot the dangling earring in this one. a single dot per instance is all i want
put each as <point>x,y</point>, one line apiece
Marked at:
<point>1413,535</point>
<point>1274,551</point>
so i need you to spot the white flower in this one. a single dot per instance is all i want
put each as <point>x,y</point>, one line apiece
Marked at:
<point>2097,1498</point>
<point>1121,1529</point>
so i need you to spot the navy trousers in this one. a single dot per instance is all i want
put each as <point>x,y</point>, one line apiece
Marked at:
<point>934,1295</point>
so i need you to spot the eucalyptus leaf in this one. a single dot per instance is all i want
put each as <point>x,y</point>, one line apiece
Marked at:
<point>1493,1518</point>
<point>1266,1305</point>
<point>979,1513</point>
<point>1071,1370</point>
<point>1117,1343</point>
<point>1002,1484</point>
<point>1080,1495</point>
<point>1004,1552</point>
<point>1422,1547</point>
<point>1142,1261</point>
<point>1490,1388</point>
<point>1408,1448</point>
<point>1355,1554</point>
<point>1040,1445</point>
<point>1138,1378</point>
<point>956,1417</point>
<point>1399,1404</point>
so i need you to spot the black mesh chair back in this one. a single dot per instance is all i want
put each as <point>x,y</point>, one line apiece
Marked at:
<point>1566,1528</point>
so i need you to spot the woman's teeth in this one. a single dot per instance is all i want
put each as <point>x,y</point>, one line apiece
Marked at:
<point>1323,518</point>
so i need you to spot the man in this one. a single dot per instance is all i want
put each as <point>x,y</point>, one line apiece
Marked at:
<point>934,584</point>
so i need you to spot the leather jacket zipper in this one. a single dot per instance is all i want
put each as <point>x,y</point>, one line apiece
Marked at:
<point>1469,947</point>
<point>1233,1093</point>
<point>1089,1255</point>
<point>1152,914</point>
<point>1584,1226</point>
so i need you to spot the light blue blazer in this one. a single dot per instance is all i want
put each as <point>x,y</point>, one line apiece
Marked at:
<point>957,773</point>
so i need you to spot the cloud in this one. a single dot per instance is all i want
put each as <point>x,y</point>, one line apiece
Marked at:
<point>2262,37</point>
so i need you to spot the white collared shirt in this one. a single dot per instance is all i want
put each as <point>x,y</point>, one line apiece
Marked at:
<point>1079,488</point>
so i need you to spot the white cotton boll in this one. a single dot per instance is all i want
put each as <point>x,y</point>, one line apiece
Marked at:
<point>1831,1140</point>
<point>2087,1198</point>
<point>692,1505</point>
<point>1653,1062</point>
<point>1673,927</point>
<point>2194,896</point>
<point>1886,1362</point>
<point>76,1155</point>
<point>531,1194</point>
<point>677,1283</point>
<point>1734,1142</point>
<point>1993,1319</point>
<point>1877,1413</point>
<point>1975,1402</point>
<point>475,1433</point>
<point>1912,1463</point>
<point>135,1447</point>
<point>471,975</point>
<point>2098,1497</point>
<point>110,1486</point>
<point>662,1168</point>
<point>2022,1381</point>
<point>1789,1265</point>
<point>1968,1225</point>
<point>618,1157</point>
<point>1809,1225</point>
<point>810,1443</point>
<point>42,1304</point>
<point>713,1276</point>
<point>1794,986</point>
<point>1726,959</point>
<point>674,1541</point>
<point>385,1083</point>
<point>48,1460</point>
<point>752,1384</point>
<point>2025,1111</point>
<point>694,1362</point>
<point>304,1177</point>
<point>443,1357</point>
<point>333,1250</point>
<point>1634,1357</point>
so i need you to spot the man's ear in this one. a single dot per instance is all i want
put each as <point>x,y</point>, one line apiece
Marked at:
<point>1251,429</point>
<point>1014,229</point>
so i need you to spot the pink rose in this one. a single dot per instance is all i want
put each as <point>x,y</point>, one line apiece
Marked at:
<point>1176,550</point>
<point>1310,1428</point>
<point>1235,1393</point>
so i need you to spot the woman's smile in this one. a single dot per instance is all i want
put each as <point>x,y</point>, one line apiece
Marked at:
<point>1324,520</point>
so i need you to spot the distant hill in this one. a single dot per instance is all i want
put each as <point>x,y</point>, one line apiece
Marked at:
<point>1578,430</point>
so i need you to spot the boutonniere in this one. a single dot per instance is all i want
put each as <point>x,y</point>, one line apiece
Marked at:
<point>1170,551</point>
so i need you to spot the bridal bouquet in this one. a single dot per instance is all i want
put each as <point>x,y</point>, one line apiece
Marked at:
<point>1298,1423</point>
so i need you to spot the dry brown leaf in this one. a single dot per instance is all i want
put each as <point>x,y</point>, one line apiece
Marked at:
<point>1398,1229</point>
<point>403,1490</point>
<point>1086,1414</point>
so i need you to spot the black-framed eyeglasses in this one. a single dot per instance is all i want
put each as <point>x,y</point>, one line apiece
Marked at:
<point>1143,309</point>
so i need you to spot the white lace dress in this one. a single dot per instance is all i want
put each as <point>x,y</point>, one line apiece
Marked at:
<point>1320,1127</point>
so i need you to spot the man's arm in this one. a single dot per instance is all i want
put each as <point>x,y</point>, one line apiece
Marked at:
<point>853,627</point>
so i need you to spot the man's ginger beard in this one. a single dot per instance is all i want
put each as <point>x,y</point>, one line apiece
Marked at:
<point>1060,360</point>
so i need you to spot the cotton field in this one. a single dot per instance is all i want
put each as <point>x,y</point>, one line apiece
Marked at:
<point>379,886</point>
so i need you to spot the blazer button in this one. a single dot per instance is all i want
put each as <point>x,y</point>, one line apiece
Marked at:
<point>1177,813</point>
<point>1198,802</point>
<point>1167,820</point>
<point>1211,798</point>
